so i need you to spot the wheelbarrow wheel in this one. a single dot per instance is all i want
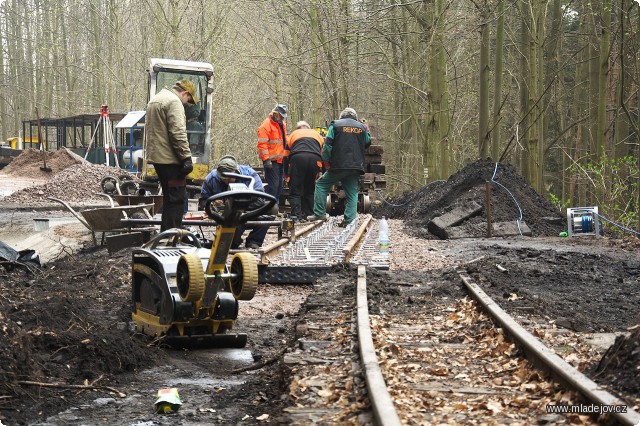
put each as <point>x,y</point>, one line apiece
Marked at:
<point>244,281</point>
<point>190,278</point>
<point>129,187</point>
<point>109,185</point>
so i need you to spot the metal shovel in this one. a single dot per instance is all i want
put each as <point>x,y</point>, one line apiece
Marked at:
<point>44,145</point>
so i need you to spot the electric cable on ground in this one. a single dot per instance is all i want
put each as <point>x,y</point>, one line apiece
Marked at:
<point>615,224</point>
<point>495,170</point>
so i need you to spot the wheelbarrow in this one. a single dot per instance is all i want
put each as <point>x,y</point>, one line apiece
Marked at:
<point>133,200</point>
<point>107,219</point>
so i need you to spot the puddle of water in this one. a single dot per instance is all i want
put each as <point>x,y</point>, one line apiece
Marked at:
<point>204,382</point>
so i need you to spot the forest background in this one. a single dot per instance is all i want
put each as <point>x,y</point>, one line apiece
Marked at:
<point>548,86</point>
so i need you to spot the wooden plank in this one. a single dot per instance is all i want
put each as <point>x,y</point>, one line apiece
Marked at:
<point>118,242</point>
<point>375,150</point>
<point>439,225</point>
<point>378,169</point>
<point>348,249</point>
<point>500,229</point>
<point>372,159</point>
<point>441,387</point>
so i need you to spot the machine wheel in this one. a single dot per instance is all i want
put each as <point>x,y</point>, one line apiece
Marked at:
<point>329,203</point>
<point>190,278</point>
<point>364,204</point>
<point>245,267</point>
<point>109,185</point>
<point>129,187</point>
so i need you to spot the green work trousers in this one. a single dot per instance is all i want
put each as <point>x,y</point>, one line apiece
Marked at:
<point>349,180</point>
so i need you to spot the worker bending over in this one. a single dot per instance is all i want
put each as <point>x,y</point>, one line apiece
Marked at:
<point>302,164</point>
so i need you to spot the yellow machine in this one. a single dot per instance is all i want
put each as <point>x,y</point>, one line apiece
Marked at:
<point>165,73</point>
<point>186,292</point>
<point>23,143</point>
<point>321,130</point>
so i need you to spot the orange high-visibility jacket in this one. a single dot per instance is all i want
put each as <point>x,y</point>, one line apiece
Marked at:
<point>304,140</point>
<point>271,140</point>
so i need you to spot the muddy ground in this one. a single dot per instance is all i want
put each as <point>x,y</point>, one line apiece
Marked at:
<point>68,355</point>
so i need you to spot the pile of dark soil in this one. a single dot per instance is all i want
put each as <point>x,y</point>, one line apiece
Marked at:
<point>619,365</point>
<point>511,198</point>
<point>65,325</point>
<point>581,291</point>
<point>68,355</point>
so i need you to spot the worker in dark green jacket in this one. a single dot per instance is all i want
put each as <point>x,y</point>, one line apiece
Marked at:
<point>343,154</point>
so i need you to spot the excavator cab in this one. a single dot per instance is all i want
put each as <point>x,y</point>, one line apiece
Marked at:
<point>186,293</point>
<point>165,73</point>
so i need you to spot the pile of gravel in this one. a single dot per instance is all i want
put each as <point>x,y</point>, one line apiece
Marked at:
<point>28,164</point>
<point>72,178</point>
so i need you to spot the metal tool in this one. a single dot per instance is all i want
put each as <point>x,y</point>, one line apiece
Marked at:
<point>44,145</point>
<point>185,292</point>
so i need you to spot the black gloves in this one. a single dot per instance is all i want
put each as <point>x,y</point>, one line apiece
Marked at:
<point>187,166</point>
<point>267,164</point>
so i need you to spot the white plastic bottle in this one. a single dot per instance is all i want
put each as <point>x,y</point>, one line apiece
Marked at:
<point>383,236</point>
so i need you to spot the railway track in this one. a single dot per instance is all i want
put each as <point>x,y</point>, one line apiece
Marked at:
<point>427,357</point>
<point>439,359</point>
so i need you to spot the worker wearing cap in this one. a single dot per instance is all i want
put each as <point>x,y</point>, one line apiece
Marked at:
<point>302,165</point>
<point>167,147</point>
<point>343,150</point>
<point>272,136</point>
<point>216,182</point>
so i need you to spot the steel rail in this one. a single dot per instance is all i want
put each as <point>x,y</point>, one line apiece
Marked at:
<point>547,359</point>
<point>382,405</point>
<point>251,224</point>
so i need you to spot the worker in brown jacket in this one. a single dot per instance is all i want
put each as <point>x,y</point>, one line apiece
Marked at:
<point>272,135</point>
<point>167,147</point>
<point>302,165</point>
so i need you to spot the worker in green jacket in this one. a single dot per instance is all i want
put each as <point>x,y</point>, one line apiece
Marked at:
<point>343,155</point>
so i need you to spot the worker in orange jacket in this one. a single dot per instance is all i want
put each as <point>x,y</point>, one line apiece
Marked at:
<point>302,165</point>
<point>272,136</point>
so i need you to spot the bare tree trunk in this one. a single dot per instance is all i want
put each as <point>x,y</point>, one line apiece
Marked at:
<point>523,147</point>
<point>539,98</point>
<point>4,120</point>
<point>604,144</point>
<point>556,121</point>
<point>497,87</point>
<point>442,101</point>
<point>483,97</point>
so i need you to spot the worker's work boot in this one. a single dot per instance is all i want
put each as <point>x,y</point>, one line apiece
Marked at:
<point>296,208</point>
<point>296,205</point>
<point>313,218</point>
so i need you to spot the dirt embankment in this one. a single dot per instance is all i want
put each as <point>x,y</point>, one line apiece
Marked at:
<point>512,198</point>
